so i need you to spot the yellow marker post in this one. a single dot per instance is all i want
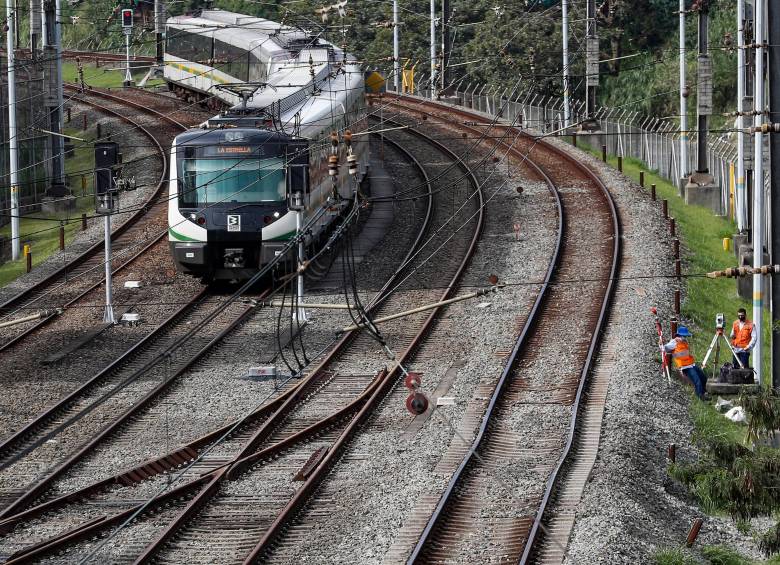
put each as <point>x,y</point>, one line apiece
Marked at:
<point>26,249</point>
<point>726,244</point>
<point>732,190</point>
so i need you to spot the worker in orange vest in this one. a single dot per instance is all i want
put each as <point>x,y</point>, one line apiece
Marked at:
<point>683,360</point>
<point>743,338</point>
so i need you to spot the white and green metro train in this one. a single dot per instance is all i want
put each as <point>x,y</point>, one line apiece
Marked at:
<point>231,179</point>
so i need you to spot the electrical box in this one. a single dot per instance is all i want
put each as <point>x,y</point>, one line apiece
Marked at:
<point>127,18</point>
<point>297,153</point>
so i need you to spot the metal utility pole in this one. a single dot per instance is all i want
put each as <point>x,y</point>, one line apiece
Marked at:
<point>445,41</point>
<point>704,91</point>
<point>106,203</point>
<point>159,30</point>
<point>740,199</point>
<point>683,102</point>
<point>301,313</point>
<point>773,12</point>
<point>396,62</point>
<point>592,61</point>
<point>701,188</point>
<point>433,49</point>
<point>36,18</point>
<point>13,151</point>
<point>758,188</point>
<point>52,51</point>
<point>565,33</point>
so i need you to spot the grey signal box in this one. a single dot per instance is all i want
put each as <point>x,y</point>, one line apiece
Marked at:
<point>106,160</point>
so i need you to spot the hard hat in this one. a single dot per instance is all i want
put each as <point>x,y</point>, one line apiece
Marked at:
<point>682,331</point>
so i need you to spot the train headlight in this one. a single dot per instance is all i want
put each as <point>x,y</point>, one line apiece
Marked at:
<point>276,214</point>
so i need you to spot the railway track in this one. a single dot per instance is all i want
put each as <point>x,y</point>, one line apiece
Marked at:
<point>457,232</point>
<point>112,397</point>
<point>252,492</point>
<point>258,486</point>
<point>545,377</point>
<point>140,231</point>
<point>299,416</point>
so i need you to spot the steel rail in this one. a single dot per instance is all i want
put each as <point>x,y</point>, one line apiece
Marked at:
<point>137,406</point>
<point>39,290</point>
<point>90,528</point>
<point>245,458</point>
<point>143,471</point>
<point>449,493</point>
<point>604,313</point>
<point>505,374</point>
<point>334,453</point>
<point>186,453</point>
<point>46,319</point>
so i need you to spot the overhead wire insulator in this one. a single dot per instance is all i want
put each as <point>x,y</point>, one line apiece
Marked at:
<point>352,163</point>
<point>333,165</point>
<point>764,128</point>
<point>334,141</point>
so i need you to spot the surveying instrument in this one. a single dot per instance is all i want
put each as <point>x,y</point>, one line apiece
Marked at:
<point>719,323</point>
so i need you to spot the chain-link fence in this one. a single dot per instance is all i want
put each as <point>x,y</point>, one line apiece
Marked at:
<point>653,141</point>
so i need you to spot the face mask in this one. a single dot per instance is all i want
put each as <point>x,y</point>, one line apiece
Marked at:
<point>741,318</point>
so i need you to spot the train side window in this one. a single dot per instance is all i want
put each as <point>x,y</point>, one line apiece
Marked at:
<point>231,60</point>
<point>257,68</point>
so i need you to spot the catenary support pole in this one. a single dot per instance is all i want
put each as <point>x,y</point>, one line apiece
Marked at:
<point>53,100</point>
<point>433,49</point>
<point>740,198</point>
<point>592,61</point>
<point>758,188</point>
<point>396,62</point>
<point>36,19</point>
<point>565,33</point>
<point>773,10</point>
<point>704,98</point>
<point>683,102</point>
<point>159,30</point>
<point>58,141</point>
<point>13,152</point>
<point>445,41</point>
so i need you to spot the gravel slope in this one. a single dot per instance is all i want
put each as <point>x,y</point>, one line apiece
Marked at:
<point>631,508</point>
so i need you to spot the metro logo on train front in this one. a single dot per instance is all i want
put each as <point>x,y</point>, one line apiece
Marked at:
<point>234,222</point>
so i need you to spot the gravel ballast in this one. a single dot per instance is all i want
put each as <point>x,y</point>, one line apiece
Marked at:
<point>631,508</point>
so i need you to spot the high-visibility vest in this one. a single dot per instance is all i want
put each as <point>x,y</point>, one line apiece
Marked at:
<point>682,354</point>
<point>742,336</point>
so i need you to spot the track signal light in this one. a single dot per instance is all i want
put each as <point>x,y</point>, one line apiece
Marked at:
<point>127,18</point>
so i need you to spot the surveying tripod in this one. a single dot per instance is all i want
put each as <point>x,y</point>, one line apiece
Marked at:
<point>716,344</point>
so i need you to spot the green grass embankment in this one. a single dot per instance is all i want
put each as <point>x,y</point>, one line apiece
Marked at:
<point>715,555</point>
<point>712,479</point>
<point>41,230</point>
<point>108,75</point>
<point>702,235</point>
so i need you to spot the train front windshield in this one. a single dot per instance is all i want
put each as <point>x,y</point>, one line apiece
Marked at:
<point>204,181</point>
